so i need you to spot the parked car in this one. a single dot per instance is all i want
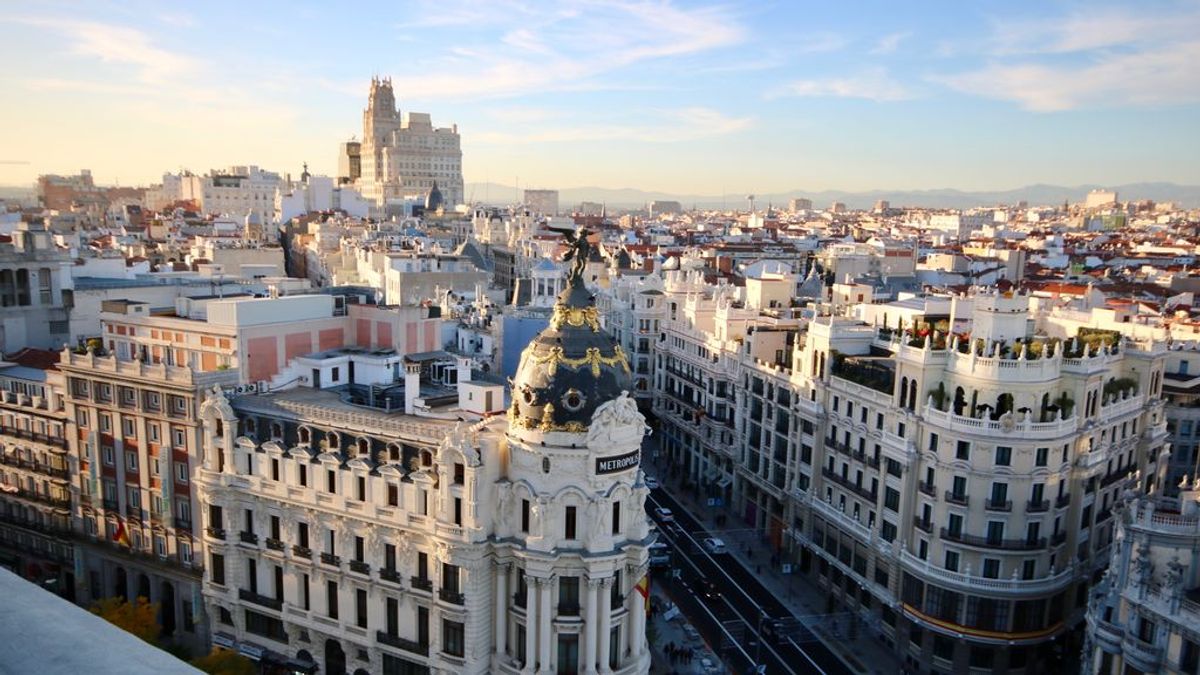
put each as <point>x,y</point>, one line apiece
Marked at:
<point>714,545</point>
<point>664,515</point>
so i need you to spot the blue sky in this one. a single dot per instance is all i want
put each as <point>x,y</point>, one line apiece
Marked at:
<point>684,97</point>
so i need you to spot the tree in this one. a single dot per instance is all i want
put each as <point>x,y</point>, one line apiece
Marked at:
<point>225,662</point>
<point>140,619</point>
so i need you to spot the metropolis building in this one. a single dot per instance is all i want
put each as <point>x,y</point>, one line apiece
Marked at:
<point>348,537</point>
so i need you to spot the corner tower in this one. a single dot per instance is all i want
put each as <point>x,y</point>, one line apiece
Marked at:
<point>575,504</point>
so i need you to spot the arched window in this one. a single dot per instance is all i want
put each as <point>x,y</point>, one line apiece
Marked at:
<point>364,447</point>
<point>912,394</point>
<point>276,430</point>
<point>305,436</point>
<point>393,452</point>
<point>904,392</point>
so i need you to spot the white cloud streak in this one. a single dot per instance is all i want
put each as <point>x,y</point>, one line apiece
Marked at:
<point>873,84</point>
<point>1097,59</point>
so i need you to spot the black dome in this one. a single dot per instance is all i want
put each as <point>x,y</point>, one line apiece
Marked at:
<point>433,200</point>
<point>571,367</point>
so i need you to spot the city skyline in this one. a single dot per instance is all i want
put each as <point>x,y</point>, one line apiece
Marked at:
<point>701,98</point>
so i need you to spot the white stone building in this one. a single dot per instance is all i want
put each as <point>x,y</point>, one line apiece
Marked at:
<point>409,542</point>
<point>403,155</point>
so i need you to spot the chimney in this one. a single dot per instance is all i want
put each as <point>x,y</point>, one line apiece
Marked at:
<point>464,370</point>
<point>412,386</point>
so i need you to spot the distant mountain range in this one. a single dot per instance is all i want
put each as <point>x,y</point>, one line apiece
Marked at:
<point>623,198</point>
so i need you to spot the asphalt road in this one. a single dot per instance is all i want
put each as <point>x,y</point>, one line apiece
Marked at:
<point>742,597</point>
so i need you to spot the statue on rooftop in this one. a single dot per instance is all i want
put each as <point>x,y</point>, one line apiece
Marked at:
<point>579,250</point>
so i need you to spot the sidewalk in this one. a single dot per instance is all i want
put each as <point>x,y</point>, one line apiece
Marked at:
<point>864,655</point>
<point>676,631</point>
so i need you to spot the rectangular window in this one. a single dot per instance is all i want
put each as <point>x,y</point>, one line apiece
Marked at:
<point>525,515</point>
<point>568,596</point>
<point>331,482</point>
<point>1003,455</point>
<point>392,617</point>
<point>302,534</point>
<point>452,637</point>
<point>393,498</point>
<point>1041,456</point>
<point>933,442</point>
<point>275,528</point>
<point>305,599</point>
<point>450,578</point>
<point>569,525</point>
<point>963,450</point>
<point>108,455</point>
<point>389,557</point>
<point>331,598</point>
<point>891,499</point>
<point>303,476</point>
<point>218,569</point>
<point>952,561</point>
<point>275,469</point>
<point>616,518</point>
<point>362,488</point>
<point>359,549</point>
<point>458,511</point>
<point>360,608</point>
<point>181,472</point>
<point>991,568</point>
<point>252,575</point>
<point>131,461</point>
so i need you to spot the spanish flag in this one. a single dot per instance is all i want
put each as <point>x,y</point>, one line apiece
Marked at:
<point>121,536</point>
<point>643,587</point>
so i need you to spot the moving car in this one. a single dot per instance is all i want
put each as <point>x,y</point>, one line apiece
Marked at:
<point>660,554</point>
<point>664,515</point>
<point>714,545</point>
<point>651,482</point>
<point>706,589</point>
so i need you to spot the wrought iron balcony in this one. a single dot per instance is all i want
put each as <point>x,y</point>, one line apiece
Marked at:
<point>215,532</point>
<point>1063,501</point>
<point>248,537</point>
<point>957,498</point>
<point>926,525</point>
<point>389,575</point>
<point>261,600</point>
<point>1038,506</point>
<point>302,552</point>
<point>331,559</point>
<point>360,567</point>
<point>274,544</point>
<point>992,542</point>
<point>451,596</point>
<point>998,505</point>
<point>422,583</point>
<point>927,488</point>
<point>398,642</point>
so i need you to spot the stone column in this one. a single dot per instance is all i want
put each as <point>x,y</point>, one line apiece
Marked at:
<point>531,600</point>
<point>637,622</point>
<point>501,608</point>
<point>605,623</point>
<point>590,635</point>
<point>544,633</point>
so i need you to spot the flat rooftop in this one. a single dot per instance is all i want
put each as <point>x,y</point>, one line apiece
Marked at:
<point>42,633</point>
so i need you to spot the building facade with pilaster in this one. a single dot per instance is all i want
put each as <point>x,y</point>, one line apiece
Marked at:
<point>436,536</point>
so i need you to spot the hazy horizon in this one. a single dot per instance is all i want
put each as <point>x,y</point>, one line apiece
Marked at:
<point>704,99</point>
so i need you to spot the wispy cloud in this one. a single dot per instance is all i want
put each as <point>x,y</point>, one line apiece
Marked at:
<point>1102,58</point>
<point>116,44</point>
<point>573,45</point>
<point>1157,77</point>
<point>889,43</point>
<point>874,84</point>
<point>673,126</point>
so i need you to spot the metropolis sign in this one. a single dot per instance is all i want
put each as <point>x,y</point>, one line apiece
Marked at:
<point>617,463</point>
